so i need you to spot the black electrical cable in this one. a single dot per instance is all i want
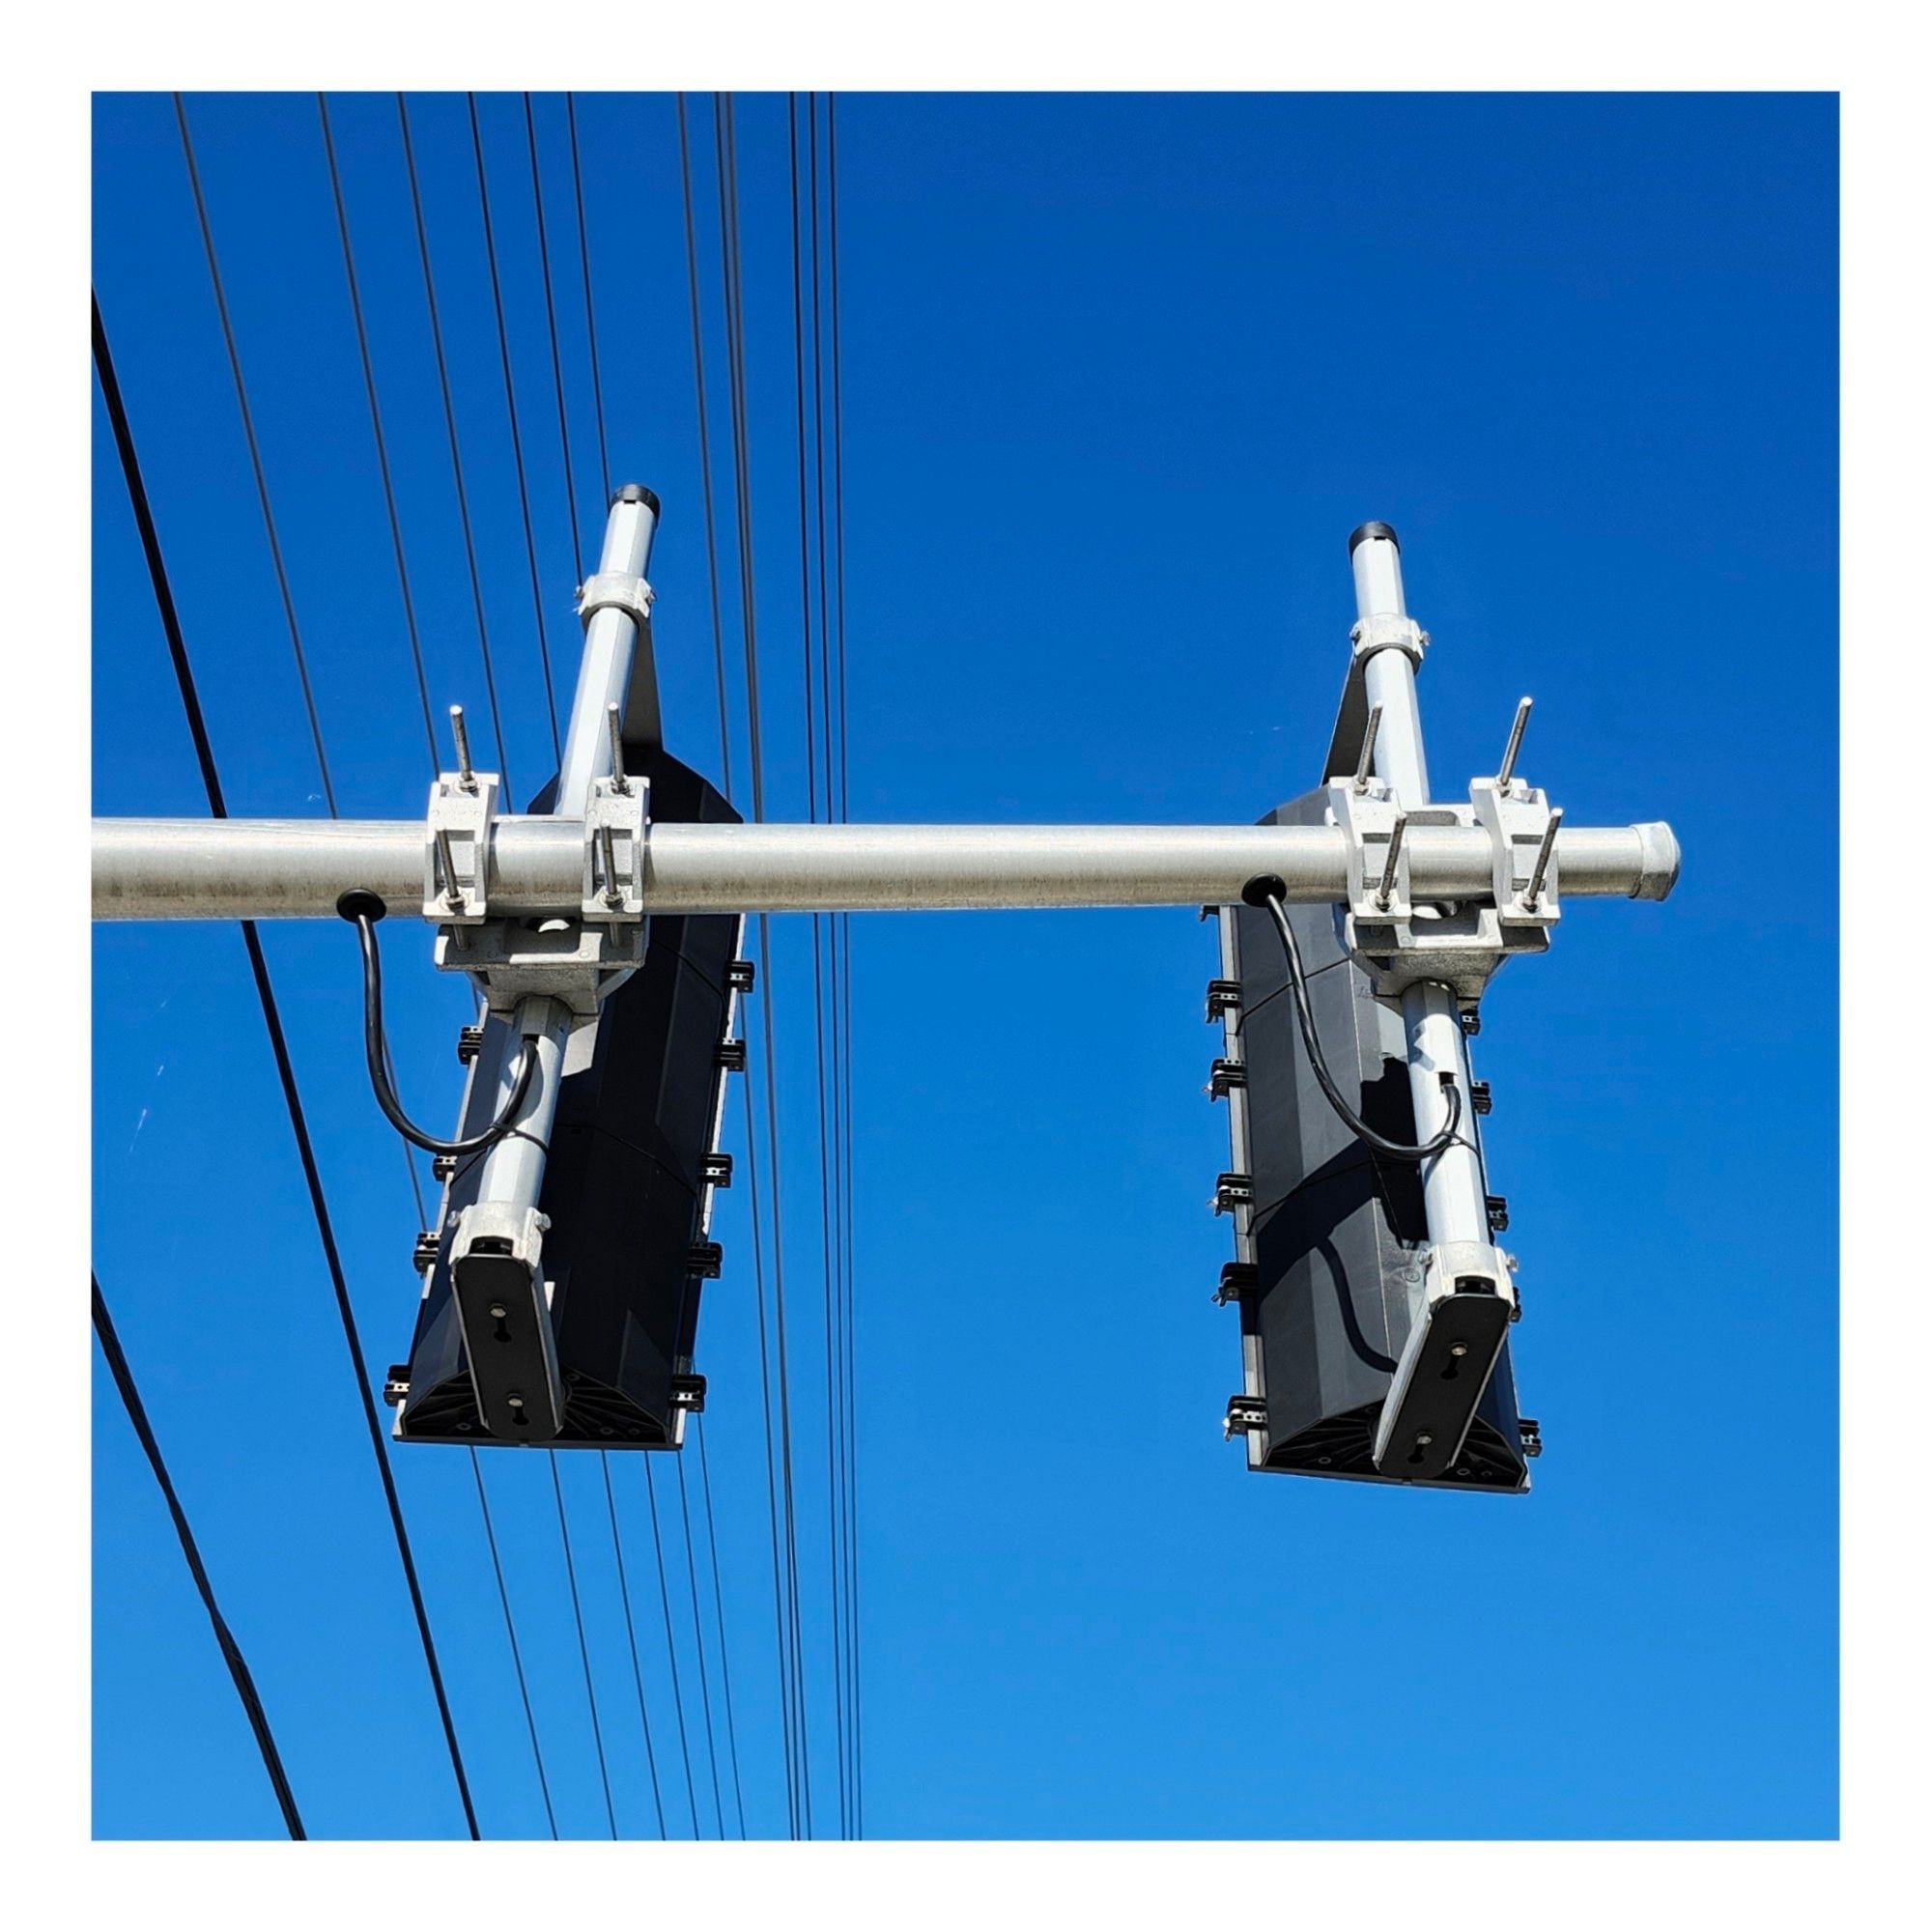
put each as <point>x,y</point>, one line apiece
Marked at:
<point>516,1649</point>
<point>790,1675</point>
<point>357,908</point>
<point>670,1647</point>
<point>589,303</point>
<point>842,929</point>
<point>254,454</point>
<point>231,1651</point>
<point>516,428</point>
<point>1266,893</point>
<point>197,726</point>
<point>718,1610</point>
<point>376,425</point>
<point>698,1624</point>
<point>556,353</point>
<point>704,445</point>
<point>455,447</point>
<point>630,1628</point>
<point>582,1644</point>
<point>818,1027</point>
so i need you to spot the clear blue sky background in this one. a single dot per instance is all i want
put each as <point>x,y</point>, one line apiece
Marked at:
<point>1120,375</point>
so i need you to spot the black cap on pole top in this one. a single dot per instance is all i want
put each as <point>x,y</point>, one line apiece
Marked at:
<point>636,492</point>
<point>1368,531</point>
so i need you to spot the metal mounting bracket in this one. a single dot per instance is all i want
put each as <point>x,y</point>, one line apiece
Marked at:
<point>567,959</point>
<point>1378,859</point>
<point>1521,826</point>
<point>615,818</point>
<point>456,859</point>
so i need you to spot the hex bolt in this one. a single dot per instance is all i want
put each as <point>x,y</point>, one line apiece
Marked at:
<point>465,772</point>
<point>1516,731</point>
<point>1544,853</point>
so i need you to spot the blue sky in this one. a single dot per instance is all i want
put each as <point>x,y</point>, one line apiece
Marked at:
<point>1120,375</point>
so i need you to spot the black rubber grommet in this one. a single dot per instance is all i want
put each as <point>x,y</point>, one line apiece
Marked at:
<point>1368,531</point>
<point>636,493</point>
<point>1257,892</point>
<point>357,903</point>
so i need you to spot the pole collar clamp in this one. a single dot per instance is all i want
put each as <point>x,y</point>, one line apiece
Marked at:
<point>1389,633</point>
<point>616,590</point>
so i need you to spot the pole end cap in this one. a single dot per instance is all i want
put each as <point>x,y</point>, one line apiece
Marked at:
<point>639,493</point>
<point>1661,864</point>
<point>1385,531</point>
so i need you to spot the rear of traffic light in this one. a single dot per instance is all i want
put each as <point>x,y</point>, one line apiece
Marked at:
<point>633,1166</point>
<point>1330,1237</point>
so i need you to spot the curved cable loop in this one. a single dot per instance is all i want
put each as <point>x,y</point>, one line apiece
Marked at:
<point>379,1077</point>
<point>1437,1143</point>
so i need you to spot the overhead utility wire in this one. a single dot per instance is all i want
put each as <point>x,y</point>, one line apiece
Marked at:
<point>734,318</point>
<point>704,446</point>
<point>408,610</point>
<point>536,602</point>
<point>841,1046</point>
<point>698,1624</point>
<point>516,1649</point>
<point>583,1643</point>
<point>555,355</point>
<point>375,428</point>
<point>786,1683</point>
<point>455,447</point>
<point>718,1611</point>
<point>670,1646</point>
<point>630,1627</point>
<point>725,756</point>
<point>589,302</point>
<point>231,1651</point>
<point>110,390</point>
<point>603,452</point>
<point>818,967</point>
<point>843,923</point>
<point>255,455</point>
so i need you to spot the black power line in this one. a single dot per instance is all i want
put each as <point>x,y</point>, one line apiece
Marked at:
<point>375,427</point>
<point>231,1651</point>
<point>516,1649</point>
<point>429,731</point>
<point>697,1626</point>
<point>556,353</point>
<point>137,494</point>
<point>704,445</point>
<point>842,928</point>
<point>455,447</point>
<point>814,685</point>
<point>254,453</point>
<point>582,1644</point>
<point>718,1604</point>
<point>515,429</point>
<point>589,302</point>
<point>630,1626</point>
<point>727,208</point>
<point>670,1646</point>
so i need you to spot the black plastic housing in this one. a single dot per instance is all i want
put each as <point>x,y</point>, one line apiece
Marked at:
<point>1331,1250</point>
<point>626,1186</point>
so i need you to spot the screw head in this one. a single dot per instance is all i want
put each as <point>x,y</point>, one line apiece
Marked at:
<point>1423,1439</point>
<point>1455,1349</point>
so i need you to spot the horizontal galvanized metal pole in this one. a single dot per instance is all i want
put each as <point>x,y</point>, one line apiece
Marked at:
<point>166,868</point>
